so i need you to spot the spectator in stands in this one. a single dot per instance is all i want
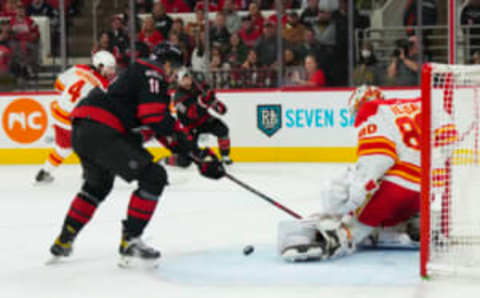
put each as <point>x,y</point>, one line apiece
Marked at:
<point>309,15</point>
<point>294,31</point>
<point>5,53</point>
<point>251,62</point>
<point>249,33</point>
<point>40,8</point>
<point>163,22</point>
<point>315,76</point>
<point>199,59</point>
<point>185,41</point>
<point>149,34</point>
<point>429,14</point>
<point>309,45</point>
<point>219,71</point>
<point>237,4</point>
<point>126,18</point>
<point>325,27</point>
<point>256,15</point>
<point>403,70</point>
<point>292,67</point>
<point>176,6</point>
<point>143,6</point>
<point>8,8</point>
<point>103,43</point>
<point>267,46</point>
<point>118,34</point>
<point>26,34</point>
<point>219,35</point>
<point>232,19</point>
<point>251,74</point>
<point>197,27</point>
<point>470,16</point>
<point>237,51</point>
<point>367,72</point>
<point>330,5</point>
<point>212,5</point>
<point>273,17</point>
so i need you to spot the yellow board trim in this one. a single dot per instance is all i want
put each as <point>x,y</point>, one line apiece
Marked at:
<point>238,154</point>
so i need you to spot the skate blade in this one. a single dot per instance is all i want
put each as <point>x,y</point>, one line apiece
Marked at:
<point>127,262</point>
<point>55,260</point>
<point>293,255</point>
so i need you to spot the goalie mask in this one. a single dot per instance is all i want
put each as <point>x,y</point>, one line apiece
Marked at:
<point>362,95</point>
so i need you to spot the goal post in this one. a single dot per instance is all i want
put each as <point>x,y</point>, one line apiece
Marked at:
<point>450,187</point>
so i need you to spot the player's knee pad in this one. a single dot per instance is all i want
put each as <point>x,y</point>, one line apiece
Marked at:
<point>97,190</point>
<point>153,179</point>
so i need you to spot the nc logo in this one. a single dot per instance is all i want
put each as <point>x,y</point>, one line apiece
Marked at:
<point>269,118</point>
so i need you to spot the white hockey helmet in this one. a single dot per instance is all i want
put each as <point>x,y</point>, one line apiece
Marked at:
<point>362,95</point>
<point>105,59</point>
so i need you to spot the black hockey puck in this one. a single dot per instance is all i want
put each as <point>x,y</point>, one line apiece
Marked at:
<point>248,250</point>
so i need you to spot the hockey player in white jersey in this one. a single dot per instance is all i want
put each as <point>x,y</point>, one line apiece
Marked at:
<point>381,190</point>
<point>73,84</point>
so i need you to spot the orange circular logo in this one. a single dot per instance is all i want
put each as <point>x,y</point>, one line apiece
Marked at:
<point>25,120</point>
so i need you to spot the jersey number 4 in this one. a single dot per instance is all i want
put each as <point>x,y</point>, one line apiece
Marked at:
<point>410,129</point>
<point>75,90</point>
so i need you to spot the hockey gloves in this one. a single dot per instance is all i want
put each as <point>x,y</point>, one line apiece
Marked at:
<point>208,164</point>
<point>207,99</point>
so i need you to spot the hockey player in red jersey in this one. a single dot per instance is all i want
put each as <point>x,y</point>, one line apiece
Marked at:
<point>73,84</point>
<point>105,139</point>
<point>380,190</point>
<point>193,102</point>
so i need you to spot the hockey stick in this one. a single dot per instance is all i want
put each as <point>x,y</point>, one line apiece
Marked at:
<point>263,196</point>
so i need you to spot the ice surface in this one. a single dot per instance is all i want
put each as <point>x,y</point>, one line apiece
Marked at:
<point>201,226</point>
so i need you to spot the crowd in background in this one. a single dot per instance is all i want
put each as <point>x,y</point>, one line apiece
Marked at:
<point>244,47</point>
<point>243,39</point>
<point>20,37</point>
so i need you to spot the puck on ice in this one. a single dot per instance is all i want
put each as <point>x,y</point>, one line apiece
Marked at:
<point>248,250</point>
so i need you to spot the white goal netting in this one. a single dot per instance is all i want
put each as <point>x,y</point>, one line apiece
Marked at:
<point>452,157</point>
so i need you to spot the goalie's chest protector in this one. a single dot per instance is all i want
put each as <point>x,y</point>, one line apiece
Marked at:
<point>392,128</point>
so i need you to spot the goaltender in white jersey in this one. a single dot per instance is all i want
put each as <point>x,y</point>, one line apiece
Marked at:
<point>381,190</point>
<point>73,84</point>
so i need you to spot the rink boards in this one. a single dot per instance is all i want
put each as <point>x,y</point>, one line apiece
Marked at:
<point>271,125</point>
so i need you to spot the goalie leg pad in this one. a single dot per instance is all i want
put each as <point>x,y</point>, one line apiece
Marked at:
<point>305,240</point>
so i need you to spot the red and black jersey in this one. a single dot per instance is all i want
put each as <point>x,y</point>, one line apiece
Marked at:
<point>190,110</point>
<point>138,97</point>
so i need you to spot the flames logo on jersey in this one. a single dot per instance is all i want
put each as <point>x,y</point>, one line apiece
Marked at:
<point>269,118</point>
<point>362,95</point>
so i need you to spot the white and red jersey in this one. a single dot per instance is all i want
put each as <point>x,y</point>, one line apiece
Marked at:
<point>74,84</point>
<point>392,128</point>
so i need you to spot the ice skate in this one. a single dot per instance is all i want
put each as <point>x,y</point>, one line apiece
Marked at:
<point>59,251</point>
<point>43,177</point>
<point>134,248</point>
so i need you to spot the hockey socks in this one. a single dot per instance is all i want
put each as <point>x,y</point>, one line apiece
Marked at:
<point>140,210</point>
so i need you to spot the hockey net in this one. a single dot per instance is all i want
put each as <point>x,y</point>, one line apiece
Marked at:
<point>450,211</point>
